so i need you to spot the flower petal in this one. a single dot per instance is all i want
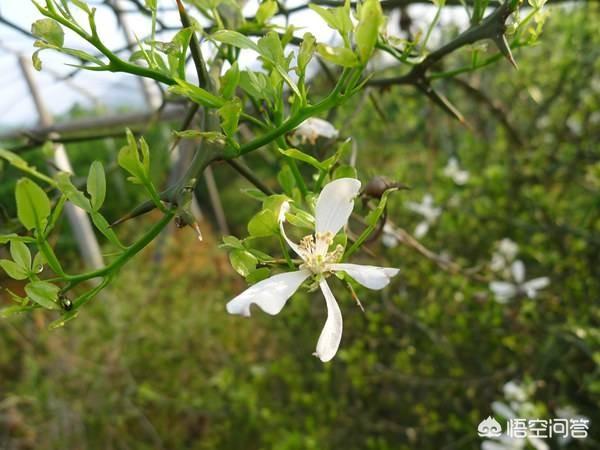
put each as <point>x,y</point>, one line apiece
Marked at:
<point>532,286</point>
<point>538,444</point>
<point>335,204</point>
<point>421,229</point>
<point>503,290</point>
<point>270,294</point>
<point>330,338</point>
<point>502,409</point>
<point>285,207</point>
<point>372,277</point>
<point>518,271</point>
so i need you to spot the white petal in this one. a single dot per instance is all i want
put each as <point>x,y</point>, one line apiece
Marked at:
<point>330,338</point>
<point>502,409</point>
<point>421,229</point>
<point>518,271</point>
<point>285,207</point>
<point>537,283</point>
<point>508,248</point>
<point>461,177</point>
<point>270,294</point>
<point>389,240</point>
<point>492,445</point>
<point>371,277</point>
<point>503,290</point>
<point>335,204</point>
<point>538,444</point>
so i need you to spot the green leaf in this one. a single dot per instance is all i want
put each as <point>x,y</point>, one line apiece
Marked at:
<point>271,50</point>
<point>43,293</point>
<point>48,30</point>
<point>33,205</point>
<point>21,255</point>
<point>286,180</point>
<point>230,116</point>
<point>82,5</point>
<point>301,219</point>
<point>232,242</point>
<point>4,238</point>
<point>258,275</point>
<point>131,160</point>
<point>305,54</point>
<point>243,262</point>
<point>345,172</point>
<point>254,194</point>
<point>104,227</point>
<point>338,55</point>
<point>230,81</point>
<point>74,195</point>
<point>96,185</point>
<point>370,19</point>
<point>327,15</point>
<point>266,10</point>
<point>36,61</point>
<point>274,202</point>
<point>254,84</point>
<point>337,18</point>
<point>197,94</point>
<point>38,263</point>
<point>13,310</point>
<point>19,163</point>
<point>301,156</point>
<point>263,224</point>
<point>14,270</point>
<point>236,39</point>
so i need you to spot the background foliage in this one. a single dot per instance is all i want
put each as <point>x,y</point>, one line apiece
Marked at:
<point>157,363</point>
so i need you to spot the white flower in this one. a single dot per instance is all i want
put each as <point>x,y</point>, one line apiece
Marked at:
<point>513,391</point>
<point>506,253</point>
<point>508,248</point>
<point>504,291</point>
<point>429,212</point>
<point>453,170</point>
<point>333,209</point>
<point>312,129</point>
<point>517,396</point>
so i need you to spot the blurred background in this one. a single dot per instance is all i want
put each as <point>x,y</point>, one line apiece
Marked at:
<point>156,363</point>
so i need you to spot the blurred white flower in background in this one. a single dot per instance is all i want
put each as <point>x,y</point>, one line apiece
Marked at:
<point>389,238</point>
<point>568,412</point>
<point>516,405</point>
<point>505,254</point>
<point>311,130</point>
<point>453,170</point>
<point>505,291</point>
<point>428,211</point>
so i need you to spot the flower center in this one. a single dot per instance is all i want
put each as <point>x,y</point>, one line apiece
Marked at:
<point>315,252</point>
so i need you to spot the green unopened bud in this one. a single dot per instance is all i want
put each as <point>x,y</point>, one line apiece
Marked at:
<point>370,20</point>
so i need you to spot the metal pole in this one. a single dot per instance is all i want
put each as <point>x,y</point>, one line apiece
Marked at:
<point>78,218</point>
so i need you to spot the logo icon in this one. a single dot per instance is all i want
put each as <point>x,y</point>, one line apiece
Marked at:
<point>489,428</point>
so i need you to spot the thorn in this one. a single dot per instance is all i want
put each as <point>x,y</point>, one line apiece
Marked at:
<point>139,210</point>
<point>198,231</point>
<point>443,102</point>
<point>504,47</point>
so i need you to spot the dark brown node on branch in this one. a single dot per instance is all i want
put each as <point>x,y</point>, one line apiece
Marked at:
<point>377,186</point>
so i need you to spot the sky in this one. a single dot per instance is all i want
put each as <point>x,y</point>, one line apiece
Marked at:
<point>95,88</point>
